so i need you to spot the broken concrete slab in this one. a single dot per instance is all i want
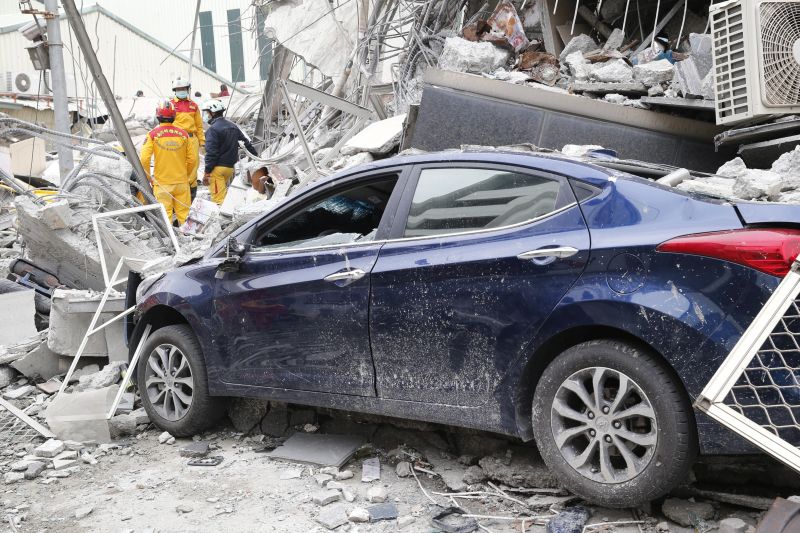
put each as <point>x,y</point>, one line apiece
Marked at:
<point>195,449</point>
<point>461,55</point>
<point>680,103</point>
<point>7,376</point>
<point>757,184</point>
<point>377,494</point>
<point>19,325</point>
<point>580,43</point>
<point>378,138</point>
<point>316,448</point>
<point>332,517</point>
<point>687,513</point>
<point>324,497</point>
<point>71,313</point>
<point>578,66</point>
<point>49,449</point>
<point>714,186</point>
<point>653,73</point>
<point>72,257</point>
<point>19,392</point>
<point>383,511</point>
<point>616,71</point>
<point>122,425</point>
<point>40,363</point>
<point>525,469</point>
<point>763,154</point>
<point>56,215</point>
<point>702,51</point>
<point>81,416</point>
<point>690,80</point>
<point>629,88</point>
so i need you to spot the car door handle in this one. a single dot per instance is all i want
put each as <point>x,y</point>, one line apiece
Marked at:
<point>560,252</point>
<point>350,275</point>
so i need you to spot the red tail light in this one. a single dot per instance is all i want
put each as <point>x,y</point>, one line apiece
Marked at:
<point>769,250</point>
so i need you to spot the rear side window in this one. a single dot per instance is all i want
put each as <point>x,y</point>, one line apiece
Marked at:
<point>452,200</point>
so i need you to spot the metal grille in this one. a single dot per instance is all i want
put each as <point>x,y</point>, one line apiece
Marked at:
<point>768,391</point>
<point>779,26</point>
<point>730,62</point>
<point>14,432</point>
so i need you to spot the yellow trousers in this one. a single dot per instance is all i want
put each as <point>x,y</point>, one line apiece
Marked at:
<point>218,183</point>
<point>175,199</point>
<point>194,144</point>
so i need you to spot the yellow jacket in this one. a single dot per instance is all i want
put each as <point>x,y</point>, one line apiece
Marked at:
<point>174,160</point>
<point>188,117</point>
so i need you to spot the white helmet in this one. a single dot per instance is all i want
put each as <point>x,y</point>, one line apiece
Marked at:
<point>213,106</point>
<point>180,82</point>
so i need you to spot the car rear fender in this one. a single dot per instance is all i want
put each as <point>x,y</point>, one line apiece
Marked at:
<point>768,214</point>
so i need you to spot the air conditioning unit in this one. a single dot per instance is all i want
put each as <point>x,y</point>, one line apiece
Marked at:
<point>19,82</point>
<point>756,46</point>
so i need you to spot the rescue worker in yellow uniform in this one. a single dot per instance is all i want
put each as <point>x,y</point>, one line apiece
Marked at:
<point>188,117</point>
<point>175,159</point>
<point>222,150</point>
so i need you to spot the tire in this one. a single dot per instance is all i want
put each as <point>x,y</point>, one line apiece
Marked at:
<point>662,424</point>
<point>180,418</point>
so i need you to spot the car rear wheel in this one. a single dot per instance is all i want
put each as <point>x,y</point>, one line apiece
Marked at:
<point>615,426</point>
<point>173,383</point>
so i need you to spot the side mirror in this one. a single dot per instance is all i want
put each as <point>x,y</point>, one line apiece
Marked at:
<point>234,254</point>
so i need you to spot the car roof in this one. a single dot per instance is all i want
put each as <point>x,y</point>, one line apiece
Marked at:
<point>550,162</point>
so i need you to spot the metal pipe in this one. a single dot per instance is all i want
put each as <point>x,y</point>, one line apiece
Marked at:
<point>55,48</point>
<point>124,137</point>
<point>191,47</point>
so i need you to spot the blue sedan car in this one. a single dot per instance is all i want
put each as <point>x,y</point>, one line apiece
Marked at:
<point>523,294</point>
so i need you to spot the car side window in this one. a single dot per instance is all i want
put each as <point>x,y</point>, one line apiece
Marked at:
<point>452,200</point>
<point>340,217</point>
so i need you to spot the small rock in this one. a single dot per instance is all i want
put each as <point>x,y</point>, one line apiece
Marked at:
<point>49,449</point>
<point>34,469</point>
<point>75,445</point>
<point>569,520</point>
<point>195,450</point>
<point>687,513</point>
<point>332,517</point>
<point>614,40</point>
<point>294,473</point>
<point>324,497</point>
<point>344,474</point>
<point>348,496</point>
<point>322,479</point>
<point>122,425</point>
<point>358,515</point>
<point>377,494</point>
<point>403,469</point>
<point>7,376</point>
<point>213,499</point>
<point>13,477</point>
<point>19,392</point>
<point>83,512</point>
<point>108,376</point>
<point>310,428</point>
<point>614,98</point>
<point>732,525</point>
<point>61,464</point>
<point>88,458</point>
<point>165,437</point>
<point>474,475</point>
<point>405,521</point>
<point>330,470</point>
<point>67,454</point>
<point>334,485</point>
<point>59,473</point>
<point>655,90</point>
<point>140,416</point>
<point>183,509</point>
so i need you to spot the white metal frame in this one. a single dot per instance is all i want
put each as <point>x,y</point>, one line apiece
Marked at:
<point>110,284</point>
<point>712,398</point>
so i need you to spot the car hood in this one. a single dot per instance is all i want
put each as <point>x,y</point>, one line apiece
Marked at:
<point>768,213</point>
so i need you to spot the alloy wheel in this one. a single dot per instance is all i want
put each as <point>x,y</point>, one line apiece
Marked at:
<point>604,425</point>
<point>168,382</point>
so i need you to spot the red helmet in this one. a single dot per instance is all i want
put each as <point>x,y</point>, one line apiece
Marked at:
<point>165,111</point>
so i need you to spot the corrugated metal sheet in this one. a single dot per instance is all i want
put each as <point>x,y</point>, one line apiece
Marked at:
<point>136,64</point>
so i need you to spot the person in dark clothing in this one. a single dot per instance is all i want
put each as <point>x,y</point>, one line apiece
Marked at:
<point>222,150</point>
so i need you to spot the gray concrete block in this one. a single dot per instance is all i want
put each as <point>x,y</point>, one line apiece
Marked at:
<point>42,363</point>
<point>19,325</point>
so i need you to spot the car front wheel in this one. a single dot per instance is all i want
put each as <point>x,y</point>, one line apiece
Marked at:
<point>173,384</point>
<point>613,423</point>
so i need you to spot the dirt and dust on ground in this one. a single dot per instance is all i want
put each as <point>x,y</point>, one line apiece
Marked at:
<point>143,482</point>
